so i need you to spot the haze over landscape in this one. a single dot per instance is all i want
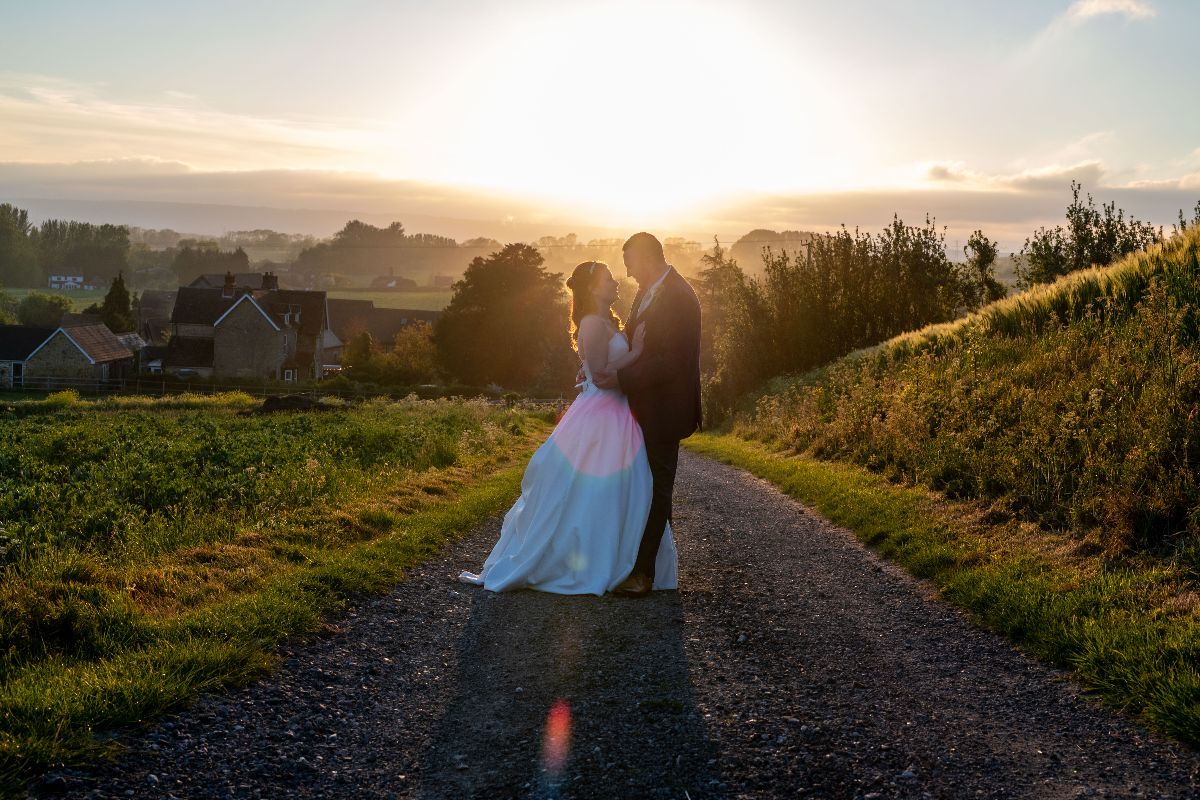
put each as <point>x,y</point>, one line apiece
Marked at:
<point>520,119</point>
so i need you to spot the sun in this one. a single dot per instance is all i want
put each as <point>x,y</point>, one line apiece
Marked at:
<point>642,112</point>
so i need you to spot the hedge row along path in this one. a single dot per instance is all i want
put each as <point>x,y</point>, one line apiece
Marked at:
<point>793,662</point>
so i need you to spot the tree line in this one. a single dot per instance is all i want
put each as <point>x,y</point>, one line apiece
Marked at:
<point>813,300</point>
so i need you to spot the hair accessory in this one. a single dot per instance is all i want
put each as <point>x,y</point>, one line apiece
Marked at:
<point>592,268</point>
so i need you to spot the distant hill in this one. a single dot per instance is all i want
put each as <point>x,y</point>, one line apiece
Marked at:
<point>748,250</point>
<point>216,219</point>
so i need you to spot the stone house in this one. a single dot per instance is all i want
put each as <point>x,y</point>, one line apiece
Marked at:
<point>16,343</point>
<point>79,353</point>
<point>236,332</point>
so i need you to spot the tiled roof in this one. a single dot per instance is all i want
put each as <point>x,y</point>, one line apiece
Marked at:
<point>201,305</point>
<point>312,306</point>
<point>18,341</point>
<point>98,342</point>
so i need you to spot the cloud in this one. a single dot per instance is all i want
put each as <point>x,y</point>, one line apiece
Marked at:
<point>1047,178</point>
<point>1083,10</point>
<point>50,119</point>
<point>1080,13</point>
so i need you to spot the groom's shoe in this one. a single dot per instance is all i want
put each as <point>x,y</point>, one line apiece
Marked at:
<point>633,586</point>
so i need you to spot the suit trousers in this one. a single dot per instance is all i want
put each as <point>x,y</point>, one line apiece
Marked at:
<point>664,460</point>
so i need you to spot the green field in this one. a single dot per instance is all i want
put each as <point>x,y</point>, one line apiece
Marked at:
<point>79,297</point>
<point>154,548</point>
<point>420,300</point>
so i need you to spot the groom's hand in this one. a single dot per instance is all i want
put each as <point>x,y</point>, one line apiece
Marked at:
<point>606,379</point>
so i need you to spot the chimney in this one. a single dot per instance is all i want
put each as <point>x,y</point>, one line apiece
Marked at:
<point>270,281</point>
<point>227,289</point>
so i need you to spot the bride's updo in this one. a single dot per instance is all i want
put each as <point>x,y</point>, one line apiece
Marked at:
<point>582,284</point>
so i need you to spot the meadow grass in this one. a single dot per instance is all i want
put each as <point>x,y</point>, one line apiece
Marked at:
<point>80,298</point>
<point>152,551</point>
<point>1127,629</point>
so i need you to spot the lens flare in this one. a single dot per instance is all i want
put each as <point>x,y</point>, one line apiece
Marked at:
<point>557,742</point>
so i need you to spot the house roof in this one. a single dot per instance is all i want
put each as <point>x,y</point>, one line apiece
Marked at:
<point>156,302</point>
<point>132,341</point>
<point>216,280</point>
<point>183,351</point>
<point>249,298</point>
<point>98,342</point>
<point>196,305</point>
<point>201,305</point>
<point>348,318</point>
<point>311,303</point>
<point>18,341</point>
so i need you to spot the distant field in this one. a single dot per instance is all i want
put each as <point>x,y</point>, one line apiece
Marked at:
<point>420,299</point>
<point>80,297</point>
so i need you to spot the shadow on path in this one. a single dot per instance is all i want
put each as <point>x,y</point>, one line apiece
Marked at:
<point>619,665</point>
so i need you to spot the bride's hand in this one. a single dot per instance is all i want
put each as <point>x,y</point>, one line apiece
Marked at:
<point>639,338</point>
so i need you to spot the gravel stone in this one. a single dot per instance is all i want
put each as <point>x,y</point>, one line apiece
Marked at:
<point>792,663</point>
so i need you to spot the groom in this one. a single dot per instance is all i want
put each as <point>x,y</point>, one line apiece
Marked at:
<point>663,385</point>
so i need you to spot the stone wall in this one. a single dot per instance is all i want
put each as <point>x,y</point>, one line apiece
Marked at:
<point>60,358</point>
<point>245,345</point>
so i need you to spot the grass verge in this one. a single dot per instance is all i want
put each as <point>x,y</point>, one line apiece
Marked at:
<point>1128,630</point>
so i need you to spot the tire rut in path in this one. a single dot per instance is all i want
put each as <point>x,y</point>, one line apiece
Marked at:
<point>792,663</point>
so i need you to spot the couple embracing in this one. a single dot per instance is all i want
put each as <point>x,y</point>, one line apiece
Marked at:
<point>595,506</point>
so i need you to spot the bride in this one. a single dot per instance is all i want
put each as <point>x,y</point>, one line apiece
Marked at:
<point>586,493</point>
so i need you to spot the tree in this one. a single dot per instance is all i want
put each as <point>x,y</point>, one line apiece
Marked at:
<point>414,356</point>
<point>980,282</point>
<point>8,309</point>
<point>204,258</point>
<point>18,256</point>
<point>507,324</point>
<point>1184,224</point>
<point>735,355</point>
<point>42,310</point>
<point>1093,237</point>
<point>356,354</point>
<point>116,311</point>
<point>82,248</point>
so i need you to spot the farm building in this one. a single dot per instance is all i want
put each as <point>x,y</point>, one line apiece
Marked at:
<point>78,353</point>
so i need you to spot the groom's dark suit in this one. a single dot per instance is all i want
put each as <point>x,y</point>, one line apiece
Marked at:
<point>663,387</point>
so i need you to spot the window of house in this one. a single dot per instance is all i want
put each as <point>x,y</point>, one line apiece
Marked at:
<point>289,374</point>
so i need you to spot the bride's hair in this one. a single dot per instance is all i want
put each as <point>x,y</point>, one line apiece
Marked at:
<point>583,297</point>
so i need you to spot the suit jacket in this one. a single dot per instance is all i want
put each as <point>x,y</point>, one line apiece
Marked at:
<point>663,385</point>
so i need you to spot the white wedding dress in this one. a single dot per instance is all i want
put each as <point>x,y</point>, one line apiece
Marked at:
<point>584,501</point>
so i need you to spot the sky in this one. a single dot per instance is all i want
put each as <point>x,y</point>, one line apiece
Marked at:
<point>702,118</point>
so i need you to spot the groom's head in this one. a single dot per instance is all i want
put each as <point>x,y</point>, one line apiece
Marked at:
<point>644,259</point>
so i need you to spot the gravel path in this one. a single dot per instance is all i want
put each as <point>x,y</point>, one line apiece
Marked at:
<point>793,663</point>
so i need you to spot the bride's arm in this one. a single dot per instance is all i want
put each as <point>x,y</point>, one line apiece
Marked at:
<point>593,342</point>
<point>639,343</point>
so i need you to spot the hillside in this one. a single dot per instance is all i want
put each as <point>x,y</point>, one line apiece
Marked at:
<point>1075,405</point>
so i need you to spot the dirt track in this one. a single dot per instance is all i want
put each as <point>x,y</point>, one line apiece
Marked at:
<point>791,663</point>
